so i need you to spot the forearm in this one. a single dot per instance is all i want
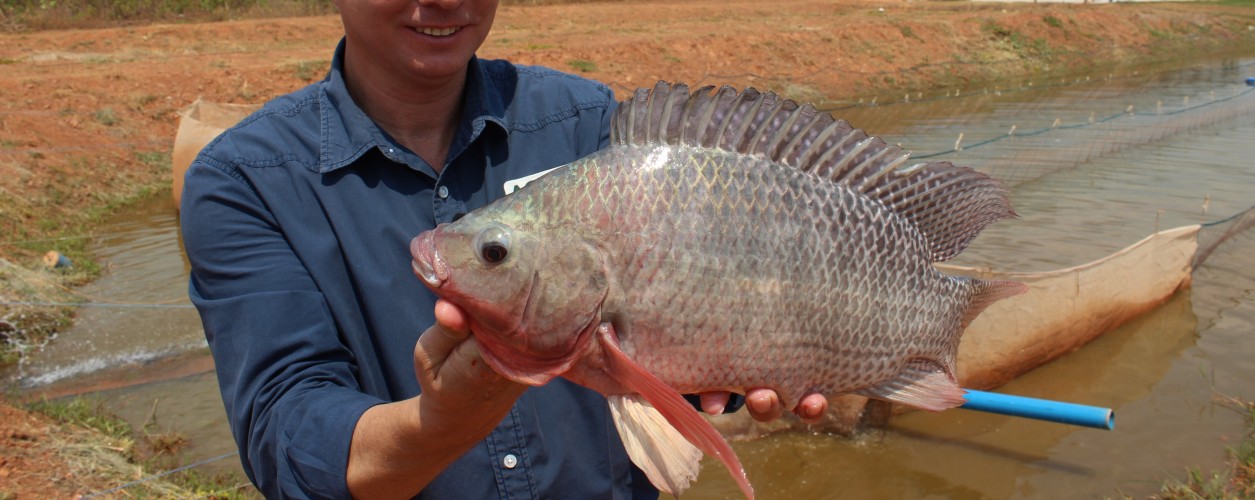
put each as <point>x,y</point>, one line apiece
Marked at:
<point>392,457</point>
<point>398,448</point>
<point>396,452</point>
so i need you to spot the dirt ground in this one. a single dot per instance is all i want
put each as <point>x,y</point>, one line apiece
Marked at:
<point>34,462</point>
<point>87,117</point>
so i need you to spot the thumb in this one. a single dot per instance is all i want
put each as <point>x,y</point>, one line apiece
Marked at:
<point>437,343</point>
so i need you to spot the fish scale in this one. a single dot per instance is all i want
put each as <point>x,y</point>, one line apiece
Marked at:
<point>724,241</point>
<point>708,253</point>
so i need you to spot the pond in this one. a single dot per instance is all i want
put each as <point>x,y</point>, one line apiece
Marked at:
<point>1093,163</point>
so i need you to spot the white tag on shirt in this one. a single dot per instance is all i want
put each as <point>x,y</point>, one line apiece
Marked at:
<point>517,184</point>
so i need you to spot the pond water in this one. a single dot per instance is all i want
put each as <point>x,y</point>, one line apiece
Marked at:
<point>1086,186</point>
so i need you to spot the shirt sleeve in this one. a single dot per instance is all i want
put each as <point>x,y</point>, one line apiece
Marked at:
<point>286,378</point>
<point>607,119</point>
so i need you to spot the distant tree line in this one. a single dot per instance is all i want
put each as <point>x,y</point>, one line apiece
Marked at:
<point>62,14</point>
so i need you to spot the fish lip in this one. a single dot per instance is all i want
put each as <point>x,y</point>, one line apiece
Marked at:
<point>427,263</point>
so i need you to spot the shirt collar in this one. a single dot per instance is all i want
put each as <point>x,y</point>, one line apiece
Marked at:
<point>348,133</point>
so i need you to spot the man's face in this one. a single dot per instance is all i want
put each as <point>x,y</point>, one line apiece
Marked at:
<point>421,39</point>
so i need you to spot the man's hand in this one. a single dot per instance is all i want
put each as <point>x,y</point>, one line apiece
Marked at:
<point>764,405</point>
<point>398,448</point>
<point>457,383</point>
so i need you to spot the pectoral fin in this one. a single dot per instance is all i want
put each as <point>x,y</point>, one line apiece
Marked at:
<point>677,412</point>
<point>670,462</point>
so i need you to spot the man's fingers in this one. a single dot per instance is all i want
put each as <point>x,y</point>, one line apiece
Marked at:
<point>714,402</point>
<point>812,408</point>
<point>764,405</point>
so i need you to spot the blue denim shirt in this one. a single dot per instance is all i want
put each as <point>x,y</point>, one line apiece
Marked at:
<point>297,223</point>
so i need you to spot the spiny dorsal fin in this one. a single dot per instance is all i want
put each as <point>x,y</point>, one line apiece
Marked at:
<point>948,204</point>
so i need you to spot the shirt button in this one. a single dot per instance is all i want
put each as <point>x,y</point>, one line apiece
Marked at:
<point>510,461</point>
<point>443,192</point>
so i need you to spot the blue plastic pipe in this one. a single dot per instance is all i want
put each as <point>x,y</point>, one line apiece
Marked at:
<point>1041,409</point>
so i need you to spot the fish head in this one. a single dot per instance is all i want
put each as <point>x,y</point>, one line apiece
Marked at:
<point>533,297</point>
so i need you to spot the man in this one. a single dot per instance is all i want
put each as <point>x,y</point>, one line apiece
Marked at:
<point>296,222</point>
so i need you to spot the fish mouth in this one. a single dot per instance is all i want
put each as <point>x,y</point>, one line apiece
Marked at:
<point>427,263</point>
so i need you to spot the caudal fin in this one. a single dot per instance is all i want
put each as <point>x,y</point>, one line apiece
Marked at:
<point>986,293</point>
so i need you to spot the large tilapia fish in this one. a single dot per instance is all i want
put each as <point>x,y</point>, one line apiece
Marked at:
<point>723,242</point>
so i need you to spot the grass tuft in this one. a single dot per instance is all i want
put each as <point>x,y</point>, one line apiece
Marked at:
<point>1237,482</point>
<point>83,412</point>
<point>107,117</point>
<point>583,65</point>
<point>95,441</point>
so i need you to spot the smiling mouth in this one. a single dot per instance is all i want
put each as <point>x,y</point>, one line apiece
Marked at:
<point>438,32</point>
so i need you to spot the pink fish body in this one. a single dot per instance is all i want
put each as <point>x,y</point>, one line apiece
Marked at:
<point>723,241</point>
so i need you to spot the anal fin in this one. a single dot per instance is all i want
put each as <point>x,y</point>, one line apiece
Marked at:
<point>922,384</point>
<point>672,406</point>
<point>669,460</point>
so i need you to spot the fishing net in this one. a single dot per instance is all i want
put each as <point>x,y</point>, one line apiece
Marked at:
<point>1094,163</point>
<point>1023,131</point>
<point>1237,228</point>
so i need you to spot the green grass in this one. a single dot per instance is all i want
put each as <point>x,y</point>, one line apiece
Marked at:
<point>583,65</point>
<point>24,329</point>
<point>1021,44</point>
<point>1052,21</point>
<point>909,33</point>
<point>309,70</point>
<point>160,451</point>
<point>1237,481</point>
<point>107,117</point>
<point>84,412</point>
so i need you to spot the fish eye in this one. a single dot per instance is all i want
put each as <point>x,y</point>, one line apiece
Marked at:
<point>493,252</point>
<point>494,245</point>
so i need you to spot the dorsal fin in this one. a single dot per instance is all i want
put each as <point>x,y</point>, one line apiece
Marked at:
<point>949,204</point>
